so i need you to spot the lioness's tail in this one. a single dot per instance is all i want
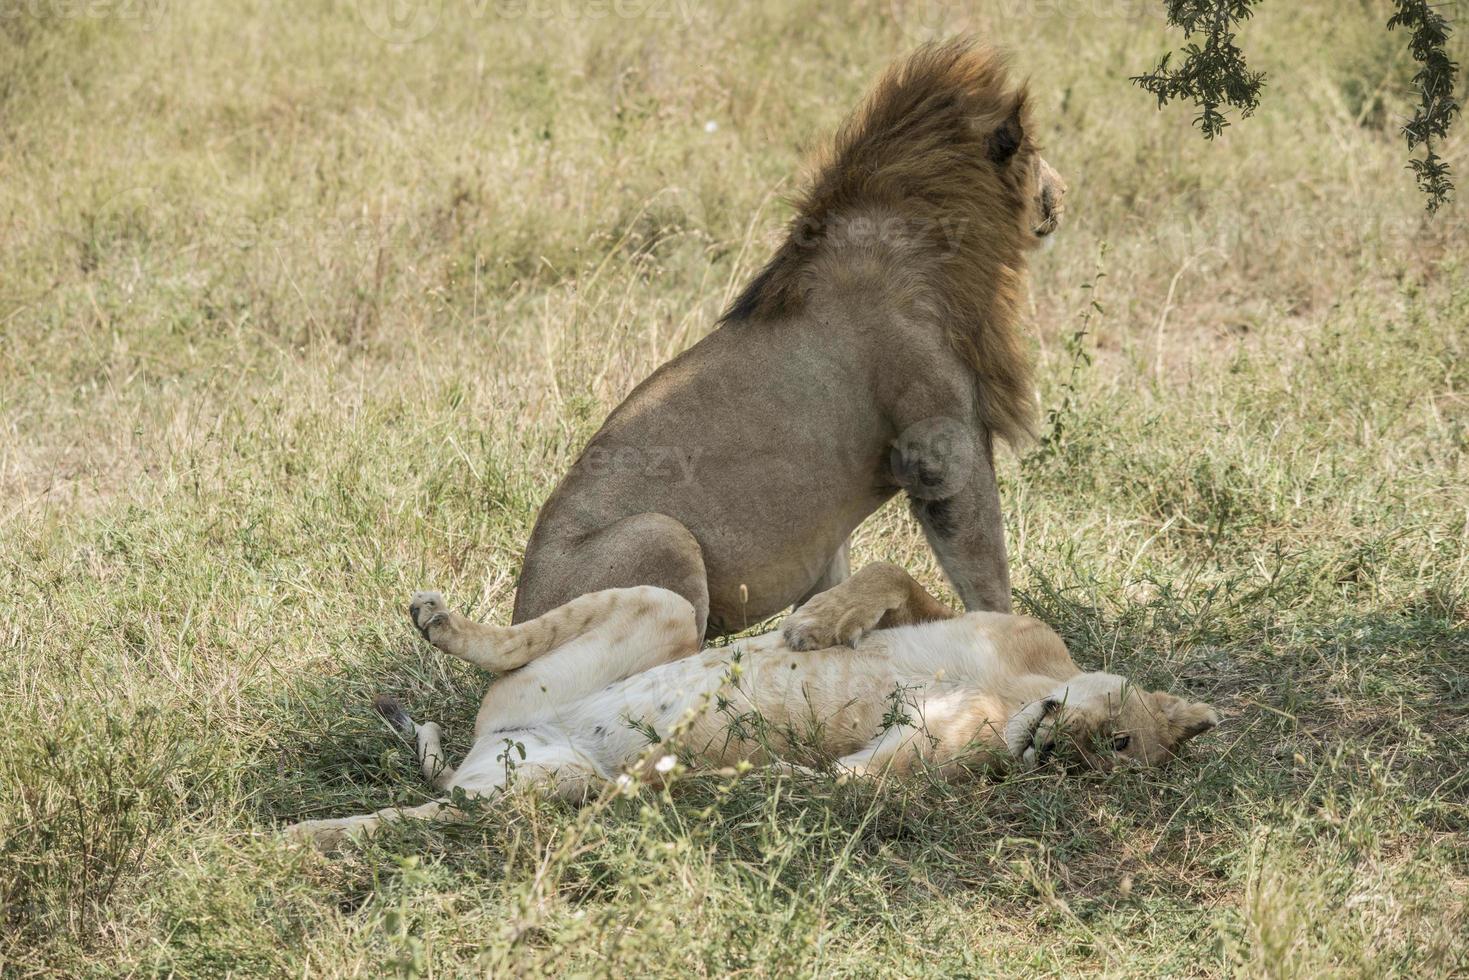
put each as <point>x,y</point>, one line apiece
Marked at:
<point>427,737</point>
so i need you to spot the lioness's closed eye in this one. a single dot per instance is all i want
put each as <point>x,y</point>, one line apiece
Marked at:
<point>1101,720</point>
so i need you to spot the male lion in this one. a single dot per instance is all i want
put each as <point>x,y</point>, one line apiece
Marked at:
<point>875,675</point>
<point>877,352</point>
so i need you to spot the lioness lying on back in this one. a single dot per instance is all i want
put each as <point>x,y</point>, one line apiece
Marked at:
<point>874,674</point>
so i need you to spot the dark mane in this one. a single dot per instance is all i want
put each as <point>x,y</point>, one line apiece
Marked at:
<point>943,142</point>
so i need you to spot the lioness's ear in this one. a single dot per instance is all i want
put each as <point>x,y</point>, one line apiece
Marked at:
<point>1190,718</point>
<point>1006,138</point>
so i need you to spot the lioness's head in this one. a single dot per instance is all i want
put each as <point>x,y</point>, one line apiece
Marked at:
<point>1101,720</point>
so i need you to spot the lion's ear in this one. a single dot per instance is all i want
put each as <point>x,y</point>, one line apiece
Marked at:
<point>1189,718</point>
<point>1005,140</point>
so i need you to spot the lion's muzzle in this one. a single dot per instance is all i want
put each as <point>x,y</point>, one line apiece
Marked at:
<point>1050,199</point>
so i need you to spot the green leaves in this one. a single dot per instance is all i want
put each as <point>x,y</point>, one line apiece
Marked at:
<point>1213,74</point>
<point>1437,103</point>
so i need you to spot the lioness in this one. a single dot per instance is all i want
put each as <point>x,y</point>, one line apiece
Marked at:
<point>876,353</point>
<point>875,674</point>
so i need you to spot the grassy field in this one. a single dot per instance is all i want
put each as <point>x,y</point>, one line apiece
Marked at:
<point>295,321</point>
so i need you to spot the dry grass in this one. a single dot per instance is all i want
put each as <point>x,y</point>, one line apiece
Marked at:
<point>294,322</point>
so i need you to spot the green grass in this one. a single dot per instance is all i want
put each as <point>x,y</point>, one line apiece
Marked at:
<point>294,322</point>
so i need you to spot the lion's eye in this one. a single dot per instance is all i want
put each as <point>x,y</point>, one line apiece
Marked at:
<point>1121,742</point>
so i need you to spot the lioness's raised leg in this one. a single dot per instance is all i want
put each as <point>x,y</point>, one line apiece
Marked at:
<point>499,649</point>
<point>635,630</point>
<point>645,549</point>
<point>570,652</point>
<point>880,596</point>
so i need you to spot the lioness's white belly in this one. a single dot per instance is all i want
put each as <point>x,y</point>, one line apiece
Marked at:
<point>757,696</point>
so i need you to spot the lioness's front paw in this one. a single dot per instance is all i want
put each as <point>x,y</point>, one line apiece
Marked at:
<point>818,625</point>
<point>432,618</point>
<point>1031,733</point>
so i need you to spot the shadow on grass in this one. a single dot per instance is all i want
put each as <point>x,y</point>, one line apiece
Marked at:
<point>331,754</point>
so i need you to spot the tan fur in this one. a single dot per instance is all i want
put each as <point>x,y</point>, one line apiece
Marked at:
<point>955,694</point>
<point>880,596</point>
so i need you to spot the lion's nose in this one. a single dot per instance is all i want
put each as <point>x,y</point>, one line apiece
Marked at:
<point>1051,179</point>
<point>1052,198</point>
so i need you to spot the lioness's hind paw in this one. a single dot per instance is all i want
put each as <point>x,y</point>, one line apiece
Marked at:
<point>427,609</point>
